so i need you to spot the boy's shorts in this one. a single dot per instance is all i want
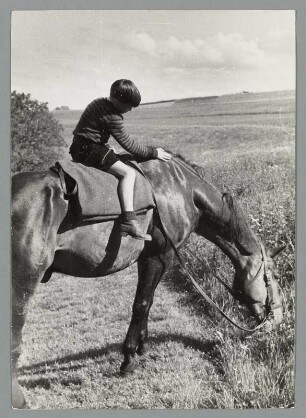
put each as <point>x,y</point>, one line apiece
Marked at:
<point>94,155</point>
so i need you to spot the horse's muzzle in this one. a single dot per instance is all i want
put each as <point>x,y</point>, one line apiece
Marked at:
<point>274,317</point>
<point>277,316</point>
<point>258,310</point>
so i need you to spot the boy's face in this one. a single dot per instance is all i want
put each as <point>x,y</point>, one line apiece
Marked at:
<point>121,107</point>
<point>124,108</point>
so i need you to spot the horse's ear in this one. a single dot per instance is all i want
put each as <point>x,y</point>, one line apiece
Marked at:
<point>273,253</point>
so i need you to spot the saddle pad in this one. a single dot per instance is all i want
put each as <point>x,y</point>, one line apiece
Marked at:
<point>97,191</point>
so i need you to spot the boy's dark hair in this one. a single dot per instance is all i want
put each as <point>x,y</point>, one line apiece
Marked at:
<point>126,92</point>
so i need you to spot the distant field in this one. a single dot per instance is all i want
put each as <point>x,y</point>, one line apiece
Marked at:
<point>230,122</point>
<point>244,143</point>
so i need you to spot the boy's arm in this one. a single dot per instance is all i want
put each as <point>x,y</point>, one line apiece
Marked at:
<point>117,130</point>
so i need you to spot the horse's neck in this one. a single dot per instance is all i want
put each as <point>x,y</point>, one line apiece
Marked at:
<point>223,222</point>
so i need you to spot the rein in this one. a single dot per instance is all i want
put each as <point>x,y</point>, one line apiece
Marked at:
<point>209,300</point>
<point>235,293</point>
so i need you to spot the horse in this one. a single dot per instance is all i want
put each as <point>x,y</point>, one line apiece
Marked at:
<point>46,240</point>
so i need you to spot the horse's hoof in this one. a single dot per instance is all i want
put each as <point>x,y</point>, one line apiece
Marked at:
<point>20,405</point>
<point>128,367</point>
<point>18,400</point>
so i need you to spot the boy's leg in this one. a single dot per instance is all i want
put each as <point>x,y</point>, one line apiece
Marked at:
<point>126,176</point>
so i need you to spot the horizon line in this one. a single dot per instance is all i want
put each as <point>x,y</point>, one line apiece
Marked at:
<point>195,98</point>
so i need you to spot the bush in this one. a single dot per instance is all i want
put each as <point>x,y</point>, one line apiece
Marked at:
<point>35,134</point>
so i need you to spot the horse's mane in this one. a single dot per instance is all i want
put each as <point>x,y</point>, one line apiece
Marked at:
<point>237,229</point>
<point>193,167</point>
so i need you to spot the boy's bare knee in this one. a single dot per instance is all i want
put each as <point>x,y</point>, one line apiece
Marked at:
<point>127,173</point>
<point>122,171</point>
<point>131,173</point>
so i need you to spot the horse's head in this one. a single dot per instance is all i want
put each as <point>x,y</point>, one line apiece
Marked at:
<point>259,288</point>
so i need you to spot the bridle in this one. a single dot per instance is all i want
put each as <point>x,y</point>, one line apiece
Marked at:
<point>268,281</point>
<point>266,278</point>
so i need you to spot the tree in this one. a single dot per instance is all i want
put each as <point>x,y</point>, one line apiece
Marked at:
<point>35,134</point>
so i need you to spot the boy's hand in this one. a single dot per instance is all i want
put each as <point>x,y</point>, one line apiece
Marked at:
<point>163,155</point>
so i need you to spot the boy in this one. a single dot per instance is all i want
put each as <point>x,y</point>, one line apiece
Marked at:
<point>102,118</point>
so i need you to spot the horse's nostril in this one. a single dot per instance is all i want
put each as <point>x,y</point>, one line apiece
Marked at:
<point>258,310</point>
<point>261,316</point>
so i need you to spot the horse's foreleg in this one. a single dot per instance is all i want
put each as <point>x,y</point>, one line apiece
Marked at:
<point>150,271</point>
<point>143,335</point>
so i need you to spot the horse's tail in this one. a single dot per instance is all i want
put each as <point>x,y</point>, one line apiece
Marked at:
<point>239,229</point>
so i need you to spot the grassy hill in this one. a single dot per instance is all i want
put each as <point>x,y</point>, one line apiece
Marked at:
<point>245,144</point>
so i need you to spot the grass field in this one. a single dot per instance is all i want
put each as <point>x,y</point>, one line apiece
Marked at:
<point>244,143</point>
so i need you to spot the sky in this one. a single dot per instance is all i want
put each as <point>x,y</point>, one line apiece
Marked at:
<point>69,58</point>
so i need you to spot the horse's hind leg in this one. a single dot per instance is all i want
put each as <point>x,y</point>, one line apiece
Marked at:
<point>150,271</point>
<point>20,300</point>
<point>24,283</point>
<point>37,213</point>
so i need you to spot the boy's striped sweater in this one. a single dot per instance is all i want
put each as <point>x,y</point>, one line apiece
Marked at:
<point>101,119</point>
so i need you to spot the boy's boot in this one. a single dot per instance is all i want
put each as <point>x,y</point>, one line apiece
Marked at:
<point>130,226</point>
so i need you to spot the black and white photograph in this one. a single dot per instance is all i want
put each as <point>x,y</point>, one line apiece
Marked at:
<point>153,209</point>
